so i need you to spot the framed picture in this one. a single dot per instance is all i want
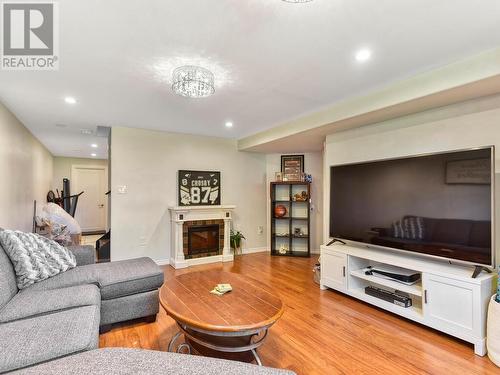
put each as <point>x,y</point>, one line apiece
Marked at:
<point>475,171</point>
<point>292,167</point>
<point>199,188</point>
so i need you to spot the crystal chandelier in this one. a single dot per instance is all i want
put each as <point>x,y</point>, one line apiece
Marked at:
<point>193,82</point>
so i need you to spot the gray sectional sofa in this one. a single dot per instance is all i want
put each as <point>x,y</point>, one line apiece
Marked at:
<point>121,361</point>
<point>52,327</point>
<point>62,315</point>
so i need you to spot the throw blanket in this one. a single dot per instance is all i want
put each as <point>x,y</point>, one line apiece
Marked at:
<point>35,258</point>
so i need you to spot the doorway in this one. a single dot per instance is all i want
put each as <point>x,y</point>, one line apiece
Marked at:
<point>92,210</point>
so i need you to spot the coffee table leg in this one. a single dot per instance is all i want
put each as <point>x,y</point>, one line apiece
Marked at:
<point>172,341</point>
<point>184,346</point>
<point>257,358</point>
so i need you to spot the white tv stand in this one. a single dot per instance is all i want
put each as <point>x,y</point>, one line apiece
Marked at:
<point>446,298</point>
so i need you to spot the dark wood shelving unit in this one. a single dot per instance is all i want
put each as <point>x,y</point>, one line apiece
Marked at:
<point>282,228</point>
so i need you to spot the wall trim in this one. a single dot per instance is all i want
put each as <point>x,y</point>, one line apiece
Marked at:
<point>162,262</point>
<point>255,250</point>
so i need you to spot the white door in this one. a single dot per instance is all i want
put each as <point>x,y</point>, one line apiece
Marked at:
<point>91,211</point>
<point>333,270</point>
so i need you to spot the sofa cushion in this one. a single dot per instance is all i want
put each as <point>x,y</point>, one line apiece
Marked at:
<point>115,279</point>
<point>129,307</point>
<point>30,341</point>
<point>8,286</point>
<point>84,254</point>
<point>31,303</point>
<point>81,275</point>
<point>126,277</point>
<point>35,257</point>
<point>112,361</point>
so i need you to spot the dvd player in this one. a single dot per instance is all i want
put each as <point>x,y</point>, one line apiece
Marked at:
<point>395,273</point>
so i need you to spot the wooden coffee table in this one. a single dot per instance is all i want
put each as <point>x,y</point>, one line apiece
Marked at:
<point>231,326</point>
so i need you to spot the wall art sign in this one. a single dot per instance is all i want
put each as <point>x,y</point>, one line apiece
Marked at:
<point>475,171</point>
<point>292,167</point>
<point>199,188</point>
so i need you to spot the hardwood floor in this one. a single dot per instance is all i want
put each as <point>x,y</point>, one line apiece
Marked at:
<point>324,332</point>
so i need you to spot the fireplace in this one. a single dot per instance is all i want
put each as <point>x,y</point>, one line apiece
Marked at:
<point>182,218</point>
<point>203,238</point>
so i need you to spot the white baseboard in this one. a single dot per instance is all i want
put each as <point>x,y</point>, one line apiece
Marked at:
<point>162,262</point>
<point>255,250</point>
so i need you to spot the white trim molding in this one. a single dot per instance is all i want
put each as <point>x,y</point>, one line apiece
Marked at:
<point>162,262</point>
<point>253,250</point>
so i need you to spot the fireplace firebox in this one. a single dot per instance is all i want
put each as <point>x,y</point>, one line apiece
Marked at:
<point>203,239</point>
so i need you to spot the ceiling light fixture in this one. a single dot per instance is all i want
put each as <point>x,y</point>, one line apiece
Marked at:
<point>229,124</point>
<point>93,155</point>
<point>193,82</point>
<point>363,55</point>
<point>297,1</point>
<point>93,145</point>
<point>70,100</point>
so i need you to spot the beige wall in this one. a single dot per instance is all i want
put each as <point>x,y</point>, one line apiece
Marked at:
<point>466,125</point>
<point>313,164</point>
<point>146,162</point>
<point>26,170</point>
<point>62,168</point>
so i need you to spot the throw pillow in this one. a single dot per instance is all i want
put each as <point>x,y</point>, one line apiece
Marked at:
<point>409,228</point>
<point>35,258</point>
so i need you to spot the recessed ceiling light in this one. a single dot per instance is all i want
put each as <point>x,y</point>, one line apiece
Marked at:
<point>93,155</point>
<point>229,124</point>
<point>93,145</point>
<point>363,55</point>
<point>70,100</point>
<point>86,131</point>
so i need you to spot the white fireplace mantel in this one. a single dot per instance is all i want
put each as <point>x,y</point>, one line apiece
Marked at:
<point>180,214</point>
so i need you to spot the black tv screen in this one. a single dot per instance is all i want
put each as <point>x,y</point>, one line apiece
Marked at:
<point>438,205</point>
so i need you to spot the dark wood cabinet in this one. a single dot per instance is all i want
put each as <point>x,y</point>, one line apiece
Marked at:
<point>291,226</point>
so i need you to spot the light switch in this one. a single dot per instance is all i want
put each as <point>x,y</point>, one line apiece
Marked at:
<point>122,189</point>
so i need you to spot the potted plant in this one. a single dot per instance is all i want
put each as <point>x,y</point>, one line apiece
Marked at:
<point>235,241</point>
<point>493,327</point>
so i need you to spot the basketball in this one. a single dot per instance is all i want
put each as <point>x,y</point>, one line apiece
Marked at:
<point>280,211</point>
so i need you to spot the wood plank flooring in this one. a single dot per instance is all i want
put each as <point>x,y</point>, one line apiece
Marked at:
<point>324,332</point>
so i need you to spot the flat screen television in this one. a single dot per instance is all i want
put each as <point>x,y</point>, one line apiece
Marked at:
<point>439,205</point>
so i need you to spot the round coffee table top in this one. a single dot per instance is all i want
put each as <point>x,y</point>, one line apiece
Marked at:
<point>187,299</point>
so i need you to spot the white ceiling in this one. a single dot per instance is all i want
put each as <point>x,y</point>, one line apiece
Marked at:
<point>273,61</point>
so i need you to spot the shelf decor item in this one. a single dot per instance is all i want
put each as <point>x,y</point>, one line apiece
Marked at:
<point>290,218</point>
<point>493,327</point>
<point>280,211</point>
<point>278,176</point>
<point>292,167</point>
<point>235,241</point>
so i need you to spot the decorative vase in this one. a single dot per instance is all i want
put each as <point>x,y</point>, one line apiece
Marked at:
<point>280,211</point>
<point>493,331</point>
<point>237,251</point>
